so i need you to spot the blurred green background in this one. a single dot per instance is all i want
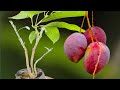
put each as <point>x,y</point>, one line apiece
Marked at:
<point>56,64</point>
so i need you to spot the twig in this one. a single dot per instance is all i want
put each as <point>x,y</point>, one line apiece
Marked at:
<point>48,50</point>
<point>23,45</point>
<point>45,15</point>
<point>39,35</point>
<point>36,19</point>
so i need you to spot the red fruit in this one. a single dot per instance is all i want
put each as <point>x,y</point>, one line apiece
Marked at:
<point>96,57</point>
<point>98,33</point>
<point>75,46</point>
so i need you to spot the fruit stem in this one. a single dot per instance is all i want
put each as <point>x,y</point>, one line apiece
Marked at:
<point>92,19</point>
<point>82,24</point>
<point>97,61</point>
<point>88,21</point>
<point>93,25</point>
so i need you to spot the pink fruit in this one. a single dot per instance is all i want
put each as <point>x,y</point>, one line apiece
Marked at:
<point>96,57</point>
<point>75,46</point>
<point>98,34</point>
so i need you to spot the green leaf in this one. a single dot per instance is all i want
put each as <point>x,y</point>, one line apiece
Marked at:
<point>63,14</point>
<point>21,15</point>
<point>32,36</point>
<point>57,11</point>
<point>32,13</point>
<point>52,33</point>
<point>25,14</point>
<point>68,26</point>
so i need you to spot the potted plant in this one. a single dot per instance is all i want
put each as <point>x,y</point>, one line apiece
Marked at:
<point>50,29</point>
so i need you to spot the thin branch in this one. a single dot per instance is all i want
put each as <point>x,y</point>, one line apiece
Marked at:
<point>48,50</point>
<point>39,35</point>
<point>23,45</point>
<point>26,27</point>
<point>52,12</point>
<point>36,19</point>
<point>46,14</point>
<point>39,22</point>
<point>42,19</point>
<point>32,21</point>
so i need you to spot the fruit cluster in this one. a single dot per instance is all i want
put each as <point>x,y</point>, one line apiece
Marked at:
<point>91,45</point>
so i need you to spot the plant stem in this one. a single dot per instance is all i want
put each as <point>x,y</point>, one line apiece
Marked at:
<point>42,19</point>
<point>32,21</point>
<point>39,35</point>
<point>23,45</point>
<point>39,22</point>
<point>40,59</point>
<point>44,13</point>
<point>36,19</point>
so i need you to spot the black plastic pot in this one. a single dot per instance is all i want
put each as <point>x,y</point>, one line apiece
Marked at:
<point>23,74</point>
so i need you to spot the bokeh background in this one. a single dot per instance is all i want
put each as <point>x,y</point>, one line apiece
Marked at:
<point>56,64</point>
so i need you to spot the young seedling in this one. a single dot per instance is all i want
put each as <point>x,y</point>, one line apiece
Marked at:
<point>50,29</point>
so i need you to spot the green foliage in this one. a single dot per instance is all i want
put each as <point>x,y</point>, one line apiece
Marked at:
<point>68,26</point>
<point>25,14</point>
<point>32,36</point>
<point>63,14</point>
<point>32,13</point>
<point>52,33</point>
<point>52,27</point>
